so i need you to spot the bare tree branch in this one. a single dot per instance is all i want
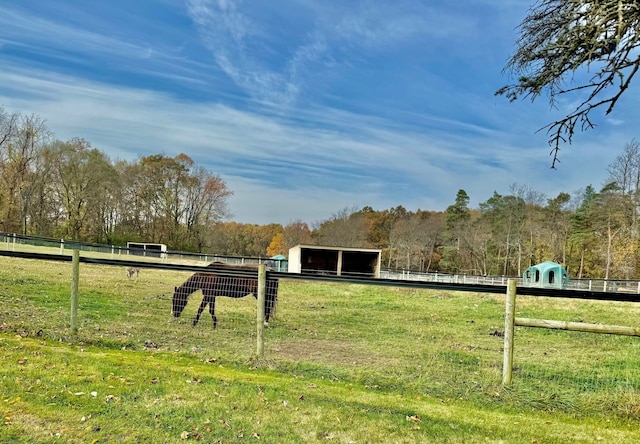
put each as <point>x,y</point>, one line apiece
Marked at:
<point>559,38</point>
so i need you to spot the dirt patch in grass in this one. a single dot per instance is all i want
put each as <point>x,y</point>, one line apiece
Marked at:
<point>327,352</point>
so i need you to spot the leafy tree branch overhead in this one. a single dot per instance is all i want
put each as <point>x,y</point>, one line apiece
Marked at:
<point>560,38</point>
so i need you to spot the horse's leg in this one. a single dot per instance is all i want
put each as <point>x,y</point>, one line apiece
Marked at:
<point>200,310</point>
<point>212,309</point>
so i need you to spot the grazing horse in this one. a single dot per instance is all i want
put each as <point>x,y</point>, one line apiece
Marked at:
<point>215,284</point>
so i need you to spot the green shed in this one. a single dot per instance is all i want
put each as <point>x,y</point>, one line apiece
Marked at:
<point>546,274</point>
<point>279,263</point>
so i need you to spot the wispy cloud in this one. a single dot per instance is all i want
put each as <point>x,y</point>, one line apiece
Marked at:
<point>380,26</point>
<point>336,159</point>
<point>76,38</point>
<point>333,36</point>
<point>237,45</point>
<point>303,107</point>
<point>30,30</point>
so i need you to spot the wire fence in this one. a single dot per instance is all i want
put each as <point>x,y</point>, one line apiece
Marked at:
<point>578,370</point>
<point>214,282</point>
<point>446,344</point>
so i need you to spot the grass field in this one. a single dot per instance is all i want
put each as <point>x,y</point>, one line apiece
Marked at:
<point>343,363</point>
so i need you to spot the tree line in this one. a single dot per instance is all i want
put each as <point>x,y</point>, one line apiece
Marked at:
<point>593,233</point>
<point>69,189</point>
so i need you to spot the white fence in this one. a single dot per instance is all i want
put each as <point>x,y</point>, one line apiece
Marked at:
<point>606,285</point>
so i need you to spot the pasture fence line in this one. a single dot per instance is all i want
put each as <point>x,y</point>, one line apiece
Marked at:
<point>233,280</point>
<point>18,242</point>
<point>510,310</point>
<point>579,284</point>
<point>263,276</point>
<point>511,322</point>
<point>261,309</point>
<point>582,293</point>
<point>578,326</point>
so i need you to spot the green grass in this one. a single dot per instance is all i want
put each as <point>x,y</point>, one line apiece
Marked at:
<point>69,393</point>
<point>343,363</point>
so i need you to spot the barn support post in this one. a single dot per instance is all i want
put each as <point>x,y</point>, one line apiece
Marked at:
<point>262,285</point>
<point>75,278</point>
<point>509,328</point>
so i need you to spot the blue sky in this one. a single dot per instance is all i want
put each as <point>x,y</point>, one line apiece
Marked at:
<point>304,107</point>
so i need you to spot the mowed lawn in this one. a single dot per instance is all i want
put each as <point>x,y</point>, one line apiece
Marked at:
<point>343,363</point>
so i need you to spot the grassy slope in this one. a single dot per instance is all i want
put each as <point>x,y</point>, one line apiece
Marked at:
<point>69,393</point>
<point>345,363</point>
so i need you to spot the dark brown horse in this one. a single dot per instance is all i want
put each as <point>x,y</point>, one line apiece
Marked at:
<point>214,284</point>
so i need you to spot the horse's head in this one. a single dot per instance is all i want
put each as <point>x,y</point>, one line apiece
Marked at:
<point>179,301</point>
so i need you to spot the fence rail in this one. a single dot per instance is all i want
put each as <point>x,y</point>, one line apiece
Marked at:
<point>17,242</point>
<point>602,285</point>
<point>468,285</point>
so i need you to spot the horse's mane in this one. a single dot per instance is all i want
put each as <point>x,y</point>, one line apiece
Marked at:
<point>193,283</point>
<point>190,285</point>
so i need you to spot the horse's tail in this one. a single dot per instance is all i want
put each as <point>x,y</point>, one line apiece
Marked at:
<point>271,296</point>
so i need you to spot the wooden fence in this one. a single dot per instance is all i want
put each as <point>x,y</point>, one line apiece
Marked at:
<point>510,322</point>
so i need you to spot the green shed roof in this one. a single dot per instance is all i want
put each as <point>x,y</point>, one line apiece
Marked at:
<point>545,274</point>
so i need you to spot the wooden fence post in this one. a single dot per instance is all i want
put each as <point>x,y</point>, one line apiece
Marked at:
<point>75,277</point>
<point>262,285</point>
<point>509,320</point>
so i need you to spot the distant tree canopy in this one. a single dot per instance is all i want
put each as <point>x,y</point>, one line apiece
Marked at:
<point>560,37</point>
<point>69,189</point>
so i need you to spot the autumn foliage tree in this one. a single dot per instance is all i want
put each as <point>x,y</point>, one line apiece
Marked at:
<point>81,178</point>
<point>73,190</point>
<point>276,246</point>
